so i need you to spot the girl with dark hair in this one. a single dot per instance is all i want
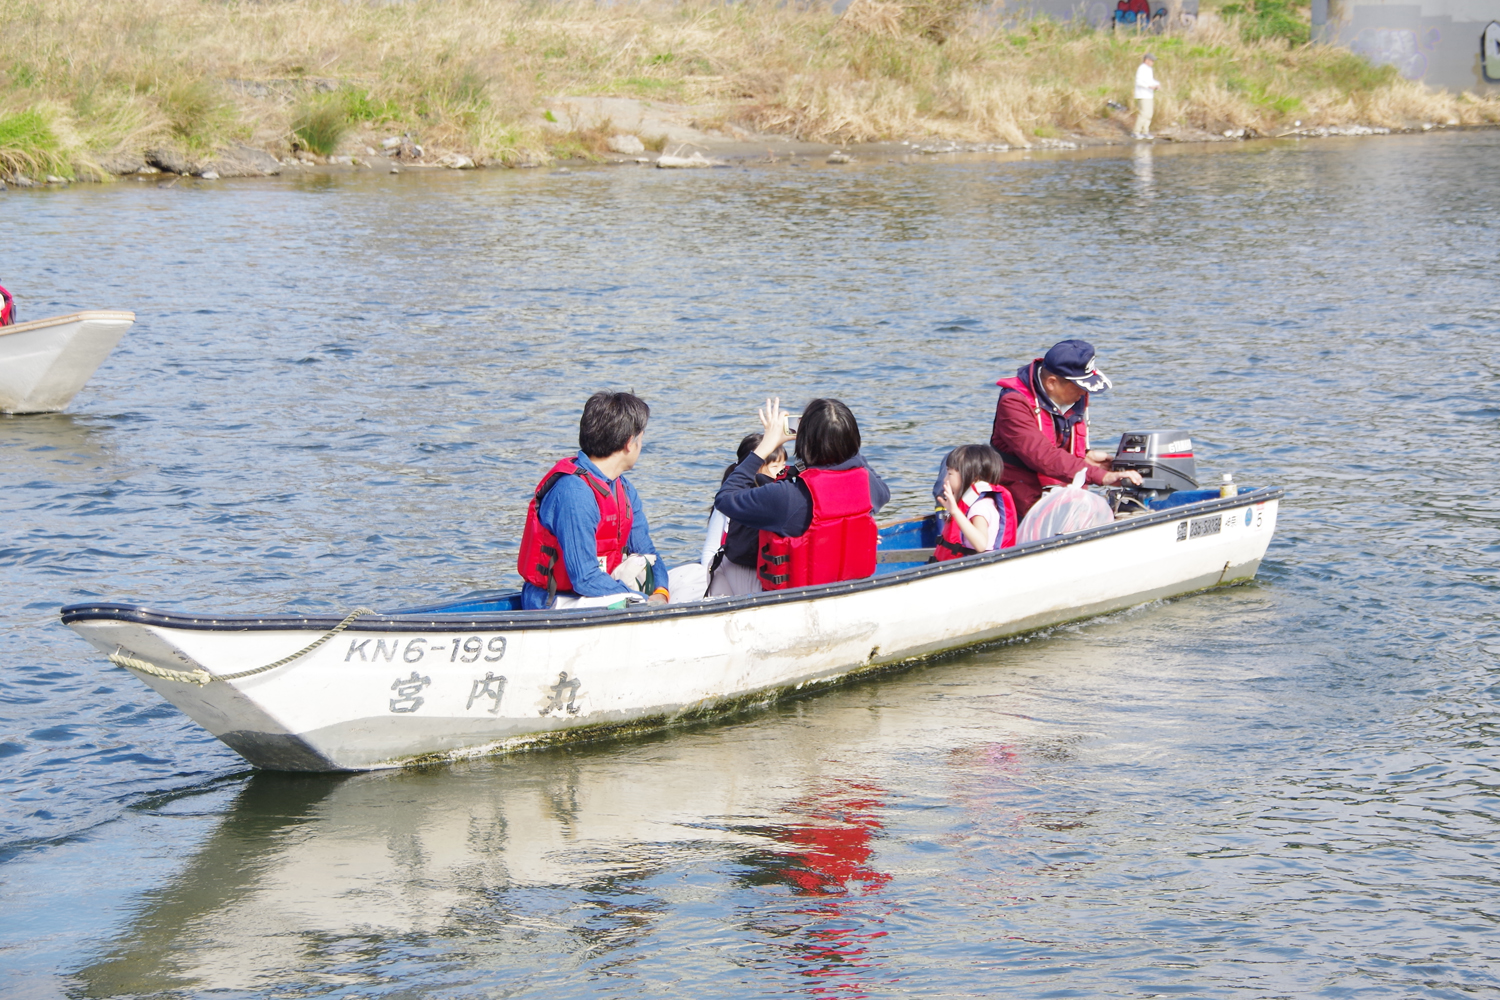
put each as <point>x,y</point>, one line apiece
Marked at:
<point>981,514</point>
<point>729,547</point>
<point>817,526</point>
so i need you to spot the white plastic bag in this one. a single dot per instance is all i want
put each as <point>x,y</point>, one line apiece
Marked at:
<point>634,571</point>
<point>1059,511</point>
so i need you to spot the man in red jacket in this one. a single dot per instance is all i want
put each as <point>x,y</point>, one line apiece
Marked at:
<point>1041,425</point>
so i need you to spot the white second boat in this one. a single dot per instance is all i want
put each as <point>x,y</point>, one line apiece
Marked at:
<point>478,675</point>
<point>44,362</point>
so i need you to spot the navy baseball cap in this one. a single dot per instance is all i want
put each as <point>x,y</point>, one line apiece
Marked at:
<point>1074,361</point>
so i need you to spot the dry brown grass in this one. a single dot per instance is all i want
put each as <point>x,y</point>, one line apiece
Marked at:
<point>472,75</point>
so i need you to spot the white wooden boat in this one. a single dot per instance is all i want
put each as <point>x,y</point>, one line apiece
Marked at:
<point>44,362</point>
<point>474,676</point>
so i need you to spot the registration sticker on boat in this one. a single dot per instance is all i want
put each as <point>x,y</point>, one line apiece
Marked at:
<point>1199,527</point>
<point>460,649</point>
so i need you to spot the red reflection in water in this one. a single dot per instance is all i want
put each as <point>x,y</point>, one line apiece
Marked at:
<point>831,854</point>
<point>833,849</point>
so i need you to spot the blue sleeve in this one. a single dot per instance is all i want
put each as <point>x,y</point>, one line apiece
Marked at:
<point>941,480</point>
<point>880,493</point>
<point>640,532</point>
<point>780,507</point>
<point>570,512</point>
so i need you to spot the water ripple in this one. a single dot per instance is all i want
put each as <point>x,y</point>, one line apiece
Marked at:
<point>1285,789</point>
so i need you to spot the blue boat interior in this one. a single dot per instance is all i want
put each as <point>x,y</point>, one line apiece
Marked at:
<point>902,545</point>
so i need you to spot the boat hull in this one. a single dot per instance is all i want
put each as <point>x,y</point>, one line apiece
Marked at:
<point>395,690</point>
<point>43,363</point>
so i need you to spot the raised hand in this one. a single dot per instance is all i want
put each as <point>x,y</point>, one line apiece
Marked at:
<point>774,431</point>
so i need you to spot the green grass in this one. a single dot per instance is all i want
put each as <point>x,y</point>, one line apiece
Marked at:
<point>197,113</point>
<point>28,144</point>
<point>646,86</point>
<point>322,125</point>
<point>361,105</point>
<point>1348,72</point>
<point>1259,20</point>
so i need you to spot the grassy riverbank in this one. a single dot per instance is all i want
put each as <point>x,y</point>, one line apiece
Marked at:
<point>84,81</point>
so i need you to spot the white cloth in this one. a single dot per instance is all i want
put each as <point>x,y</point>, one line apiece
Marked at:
<point>714,539</point>
<point>684,583</point>
<point>572,602</point>
<point>634,569</point>
<point>1145,81</point>
<point>687,583</point>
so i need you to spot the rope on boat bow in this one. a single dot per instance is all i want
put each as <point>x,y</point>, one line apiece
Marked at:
<point>201,676</point>
<point>119,659</point>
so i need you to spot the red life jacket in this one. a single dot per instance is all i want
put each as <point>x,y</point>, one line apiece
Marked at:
<point>7,311</point>
<point>840,542</point>
<point>953,544</point>
<point>541,559</point>
<point>1075,440</point>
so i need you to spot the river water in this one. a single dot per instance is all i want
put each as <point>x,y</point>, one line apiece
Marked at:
<point>340,389</point>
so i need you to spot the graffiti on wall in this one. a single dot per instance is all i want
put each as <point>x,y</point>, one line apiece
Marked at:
<point>1489,52</point>
<point>1132,11</point>
<point>1397,47</point>
<point>1139,14</point>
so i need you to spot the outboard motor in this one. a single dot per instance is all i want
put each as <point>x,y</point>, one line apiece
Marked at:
<point>1163,458</point>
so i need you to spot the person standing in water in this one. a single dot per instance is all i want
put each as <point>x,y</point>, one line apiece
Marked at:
<point>1146,86</point>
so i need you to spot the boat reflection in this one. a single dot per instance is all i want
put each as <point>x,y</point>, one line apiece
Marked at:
<point>56,448</point>
<point>498,872</point>
<point>540,857</point>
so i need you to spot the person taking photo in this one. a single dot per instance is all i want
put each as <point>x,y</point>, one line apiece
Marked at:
<point>819,525</point>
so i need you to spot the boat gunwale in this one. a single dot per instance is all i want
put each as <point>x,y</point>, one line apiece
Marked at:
<point>78,317</point>
<point>514,621</point>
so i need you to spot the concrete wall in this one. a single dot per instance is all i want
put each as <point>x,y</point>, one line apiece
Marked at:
<point>1435,41</point>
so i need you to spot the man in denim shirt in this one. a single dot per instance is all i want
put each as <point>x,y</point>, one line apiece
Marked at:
<point>610,435</point>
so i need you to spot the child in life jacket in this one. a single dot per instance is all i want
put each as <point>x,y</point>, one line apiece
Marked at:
<point>729,548</point>
<point>981,514</point>
<point>7,308</point>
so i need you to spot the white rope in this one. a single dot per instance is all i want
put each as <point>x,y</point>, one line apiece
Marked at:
<point>119,659</point>
<point>200,676</point>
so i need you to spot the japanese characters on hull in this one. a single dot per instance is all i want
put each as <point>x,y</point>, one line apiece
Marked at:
<point>487,692</point>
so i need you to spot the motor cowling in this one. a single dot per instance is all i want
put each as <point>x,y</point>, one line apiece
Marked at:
<point>1163,458</point>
